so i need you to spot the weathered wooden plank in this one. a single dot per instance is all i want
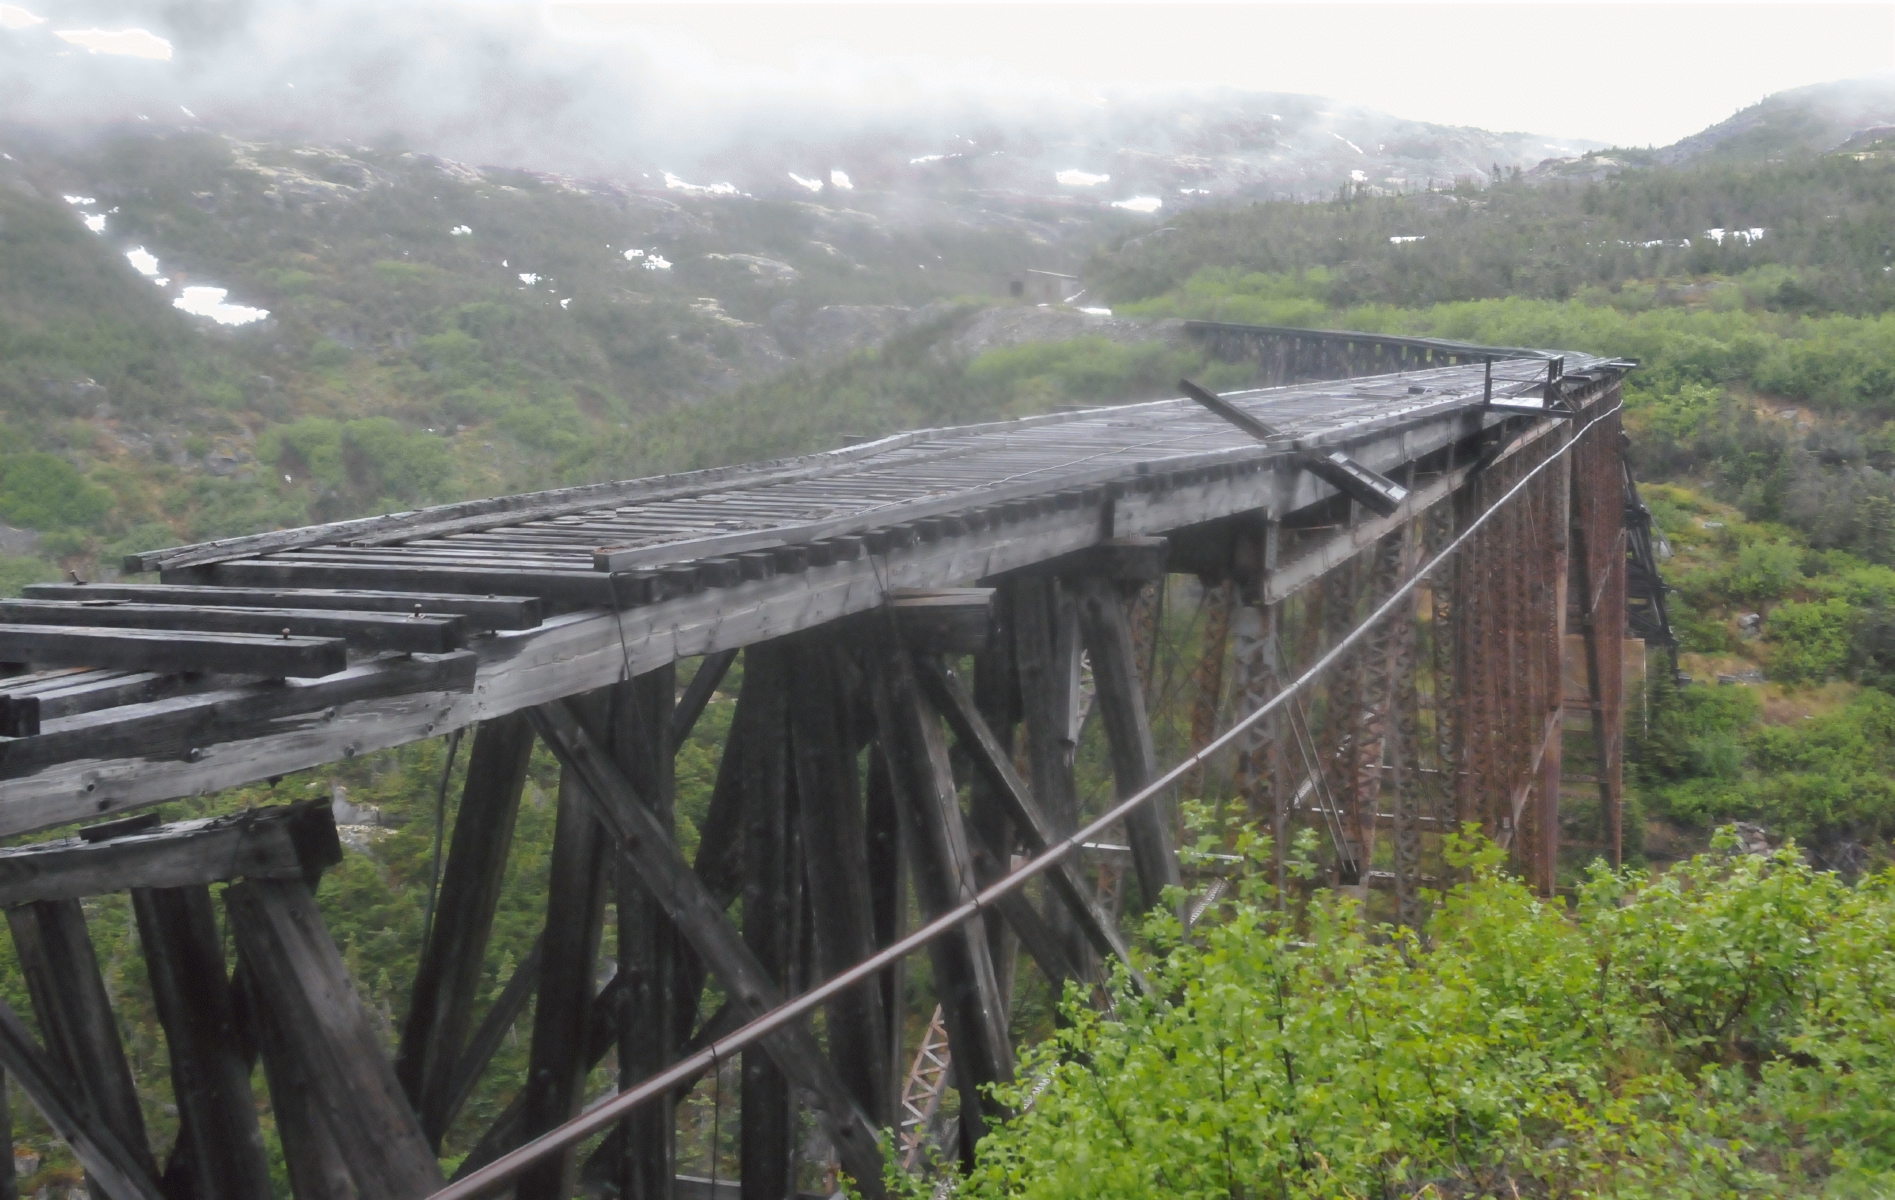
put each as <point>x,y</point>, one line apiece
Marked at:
<point>698,693</point>
<point>479,613</point>
<point>170,650</point>
<point>258,844</point>
<point>180,725</point>
<point>701,919</point>
<point>766,1138</point>
<point>1121,699</point>
<point>575,912</point>
<point>943,620</point>
<point>923,779</point>
<point>449,975</point>
<point>184,958</point>
<point>75,1016</point>
<point>425,633</point>
<point>297,974</point>
<point>568,587</point>
<point>1046,656</point>
<point>9,1176</point>
<point>317,1167</point>
<point>107,1161</point>
<point>829,804</point>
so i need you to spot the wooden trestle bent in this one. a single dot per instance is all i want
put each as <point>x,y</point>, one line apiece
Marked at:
<point>853,585</point>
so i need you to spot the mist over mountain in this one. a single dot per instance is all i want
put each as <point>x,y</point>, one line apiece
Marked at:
<point>497,85</point>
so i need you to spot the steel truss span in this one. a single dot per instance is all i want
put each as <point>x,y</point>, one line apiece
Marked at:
<point>1394,584</point>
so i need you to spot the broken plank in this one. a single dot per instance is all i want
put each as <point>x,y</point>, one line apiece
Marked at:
<point>259,844</point>
<point>174,727</point>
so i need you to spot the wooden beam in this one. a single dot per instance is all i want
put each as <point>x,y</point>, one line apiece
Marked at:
<point>829,803</point>
<point>424,633</point>
<point>1124,560</point>
<point>260,844</point>
<point>923,778</point>
<point>767,1135</point>
<point>449,976</point>
<point>943,620</point>
<point>1046,655</point>
<point>107,1161</point>
<point>1121,699</point>
<point>697,694</point>
<point>184,957</point>
<point>647,1025</point>
<point>168,650</point>
<point>553,588</point>
<point>485,1041</point>
<point>984,751</point>
<point>297,973</point>
<point>701,919</point>
<point>888,895</point>
<point>575,914</point>
<point>190,727</point>
<point>482,614</point>
<point>9,1176</point>
<point>312,1157</point>
<point>75,1017</point>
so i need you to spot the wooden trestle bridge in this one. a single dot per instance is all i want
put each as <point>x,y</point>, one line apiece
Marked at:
<point>870,772</point>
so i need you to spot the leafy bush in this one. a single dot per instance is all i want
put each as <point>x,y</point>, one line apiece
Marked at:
<point>42,491</point>
<point>1661,1041</point>
<point>1811,641</point>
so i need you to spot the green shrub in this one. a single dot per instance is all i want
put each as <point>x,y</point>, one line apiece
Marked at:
<point>42,491</point>
<point>1810,641</point>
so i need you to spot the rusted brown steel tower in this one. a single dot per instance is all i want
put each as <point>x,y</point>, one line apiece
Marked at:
<point>920,620</point>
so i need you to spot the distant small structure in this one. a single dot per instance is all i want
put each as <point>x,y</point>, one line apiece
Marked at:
<point>1044,287</point>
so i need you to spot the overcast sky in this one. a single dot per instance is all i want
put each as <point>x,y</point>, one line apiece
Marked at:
<point>1632,74</point>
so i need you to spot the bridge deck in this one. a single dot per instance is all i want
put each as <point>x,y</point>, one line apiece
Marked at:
<point>528,599</point>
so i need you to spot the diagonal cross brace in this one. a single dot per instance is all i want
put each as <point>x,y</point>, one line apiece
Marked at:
<point>653,853</point>
<point>1373,490</point>
<point>980,745</point>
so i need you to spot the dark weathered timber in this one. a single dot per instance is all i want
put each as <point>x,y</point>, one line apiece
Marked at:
<point>168,650</point>
<point>87,691</point>
<point>424,633</point>
<point>829,802</point>
<point>312,1156</point>
<point>646,1024</point>
<point>997,694</point>
<point>767,1132</point>
<point>567,588</point>
<point>1121,699</point>
<point>1046,656</point>
<point>184,958</point>
<point>9,1177</point>
<point>944,877</point>
<point>297,973</point>
<point>478,613</point>
<point>575,915</point>
<point>485,1041</point>
<point>701,919</point>
<point>888,894</point>
<point>75,1016</point>
<point>174,727</point>
<point>943,620</point>
<point>19,716</point>
<point>257,844</point>
<point>107,1161</point>
<point>601,1035</point>
<point>990,759</point>
<point>697,694</point>
<point>449,975</point>
<point>1125,560</point>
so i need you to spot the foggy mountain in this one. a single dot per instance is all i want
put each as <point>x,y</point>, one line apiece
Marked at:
<point>494,85</point>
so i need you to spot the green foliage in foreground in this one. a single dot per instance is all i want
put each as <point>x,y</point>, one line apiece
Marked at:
<point>1726,1028</point>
